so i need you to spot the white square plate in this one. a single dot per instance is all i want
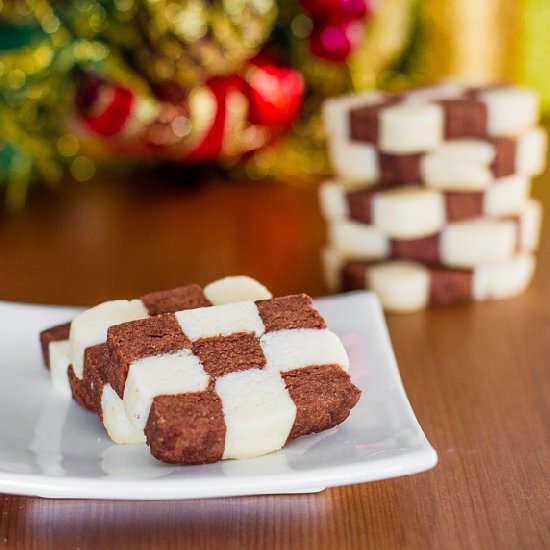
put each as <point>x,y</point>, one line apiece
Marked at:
<point>50,447</point>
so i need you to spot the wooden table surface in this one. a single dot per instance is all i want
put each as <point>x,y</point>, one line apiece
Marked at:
<point>477,375</point>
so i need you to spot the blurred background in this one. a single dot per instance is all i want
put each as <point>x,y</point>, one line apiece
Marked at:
<point>91,87</point>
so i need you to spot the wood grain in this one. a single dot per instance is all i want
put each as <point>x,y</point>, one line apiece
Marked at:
<point>476,375</point>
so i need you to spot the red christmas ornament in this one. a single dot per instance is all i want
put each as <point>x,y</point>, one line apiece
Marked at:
<point>329,9</point>
<point>334,42</point>
<point>211,144</point>
<point>105,107</point>
<point>275,94</point>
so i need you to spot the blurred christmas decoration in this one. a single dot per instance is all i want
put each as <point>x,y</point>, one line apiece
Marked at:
<point>532,26</point>
<point>337,28</point>
<point>86,83</point>
<point>481,51</point>
<point>494,40</point>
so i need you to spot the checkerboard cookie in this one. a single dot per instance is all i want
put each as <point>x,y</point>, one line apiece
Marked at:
<point>455,165</point>
<point>465,244</point>
<point>232,381</point>
<point>54,342</point>
<point>420,120</point>
<point>405,286</point>
<point>412,212</point>
<point>75,352</point>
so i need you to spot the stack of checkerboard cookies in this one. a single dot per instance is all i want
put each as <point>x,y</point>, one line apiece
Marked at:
<point>430,203</point>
